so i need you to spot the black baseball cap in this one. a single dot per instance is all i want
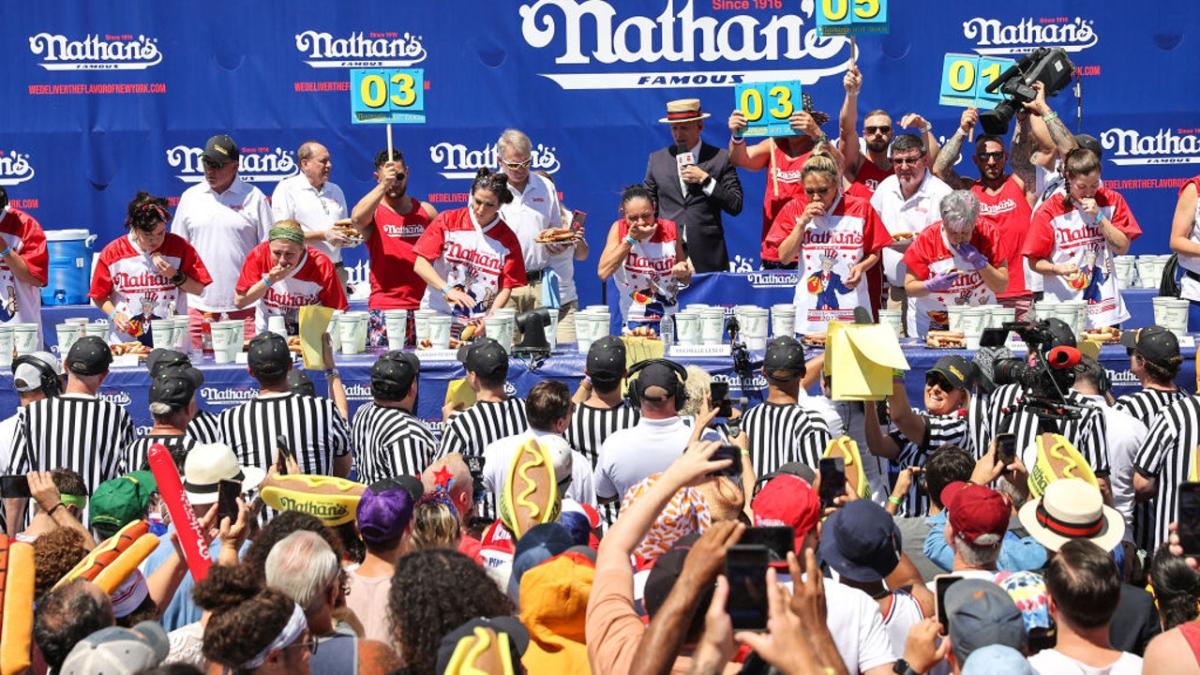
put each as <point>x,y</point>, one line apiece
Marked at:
<point>606,359</point>
<point>486,358</point>
<point>1155,344</point>
<point>298,382</point>
<point>89,355</point>
<point>657,375</point>
<point>269,355</point>
<point>393,374</point>
<point>221,149</point>
<point>956,370</point>
<point>175,385</point>
<point>165,358</point>
<point>784,359</point>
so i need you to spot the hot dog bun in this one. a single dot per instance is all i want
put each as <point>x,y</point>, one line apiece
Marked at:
<point>16,634</point>
<point>117,571</point>
<point>107,552</point>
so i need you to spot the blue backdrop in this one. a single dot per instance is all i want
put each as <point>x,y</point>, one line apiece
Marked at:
<point>103,98</point>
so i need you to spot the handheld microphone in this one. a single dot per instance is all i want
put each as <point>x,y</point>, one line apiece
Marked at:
<point>683,156</point>
<point>1063,358</point>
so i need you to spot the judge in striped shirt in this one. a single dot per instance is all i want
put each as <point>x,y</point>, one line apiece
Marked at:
<point>388,439</point>
<point>1154,359</point>
<point>172,405</point>
<point>203,426</point>
<point>493,415</point>
<point>778,430</point>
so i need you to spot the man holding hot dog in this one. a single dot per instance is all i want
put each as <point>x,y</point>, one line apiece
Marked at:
<point>317,203</point>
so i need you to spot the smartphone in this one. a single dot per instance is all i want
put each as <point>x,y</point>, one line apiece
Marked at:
<point>1006,448</point>
<point>734,453</point>
<point>941,584</point>
<point>283,453</point>
<point>746,570</point>
<point>475,468</point>
<point>228,492</point>
<point>15,487</point>
<point>1189,518</point>
<point>833,479</point>
<point>578,218</point>
<point>718,395</point>
<point>778,540</point>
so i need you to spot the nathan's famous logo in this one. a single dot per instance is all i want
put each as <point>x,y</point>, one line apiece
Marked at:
<point>95,52</point>
<point>119,398</point>
<point>780,279</point>
<point>15,167</point>
<point>510,389</point>
<point>358,392</point>
<point>459,161</point>
<point>232,395</point>
<point>593,34</point>
<point>256,164</point>
<point>993,36</point>
<point>1127,147</point>
<point>384,49</point>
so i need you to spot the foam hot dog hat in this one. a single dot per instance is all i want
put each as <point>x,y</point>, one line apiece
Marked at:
<point>530,493</point>
<point>16,605</point>
<point>1057,458</point>
<point>333,500</point>
<point>847,449</point>
<point>115,558</point>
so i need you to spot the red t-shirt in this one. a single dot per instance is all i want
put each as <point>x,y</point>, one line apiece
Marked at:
<point>783,184</point>
<point>20,301</point>
<point>394,284</point>
<point>868,178</point>
<point>1009,212</point>
<point>480,261</point>
<point>129,278</point>
<point>312,282</point>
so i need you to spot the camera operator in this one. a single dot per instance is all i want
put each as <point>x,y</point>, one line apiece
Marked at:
<point>914,433</point>
<point>1032,399</point>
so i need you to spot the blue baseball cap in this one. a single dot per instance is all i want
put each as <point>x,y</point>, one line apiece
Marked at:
<point>861,542</point>
<point>539,544</point>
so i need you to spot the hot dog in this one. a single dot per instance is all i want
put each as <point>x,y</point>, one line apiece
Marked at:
<point>847,449</point>
<point>115,573</point>
<point>554,235</point>
<point>108,552</point>
<point>530,495</point>
<point>16,634</point>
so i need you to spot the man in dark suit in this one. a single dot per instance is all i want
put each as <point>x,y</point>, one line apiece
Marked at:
<point>693,182</point>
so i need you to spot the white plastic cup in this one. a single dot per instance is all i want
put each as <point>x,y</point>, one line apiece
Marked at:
<point>712,325</point>
<point>439,330</point>
<point>353,328</point>
<point>6,345</point>
<point>1001,315</point>
<point>1126,269</point>
<point>595,308</point>
<point>1043,310</point>
<point>181,333</point>
<point>25,338</point>
<point>586,325</point>
<point>396,323</point>
<point>687,329</point>
<point>67,334</point>
<point>974,320</point>
<point>754,328</point>
<point>601,324</point>
<point>277,325</point>
<point>224,335</point>
<point>1177,316</point>
<point>891,317</point>
<point>162,332</point>
<point>335,332</point>
<point>421,318</point>
<point>1159,305</point>
<point>97,328</point>
<point>497,329</point>
<point>954,314</point>
<point>1148,271</point>
<point>552,330</point>
<point>77,321</point>
<point>783,320</point>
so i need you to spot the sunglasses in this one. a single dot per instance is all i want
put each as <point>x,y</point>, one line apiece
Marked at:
<point>886,129</point>
<point>940,382</point>
<point>211,164</point>
<point>518,165</point>
<point>903,161</point>
<point>985,156</point>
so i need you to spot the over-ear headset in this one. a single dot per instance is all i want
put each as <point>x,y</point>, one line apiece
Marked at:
<point>50,384</point>
<point>680,391</point>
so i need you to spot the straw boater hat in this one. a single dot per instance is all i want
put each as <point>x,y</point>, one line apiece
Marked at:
<point>1072,509</point>
<point>683,110</point>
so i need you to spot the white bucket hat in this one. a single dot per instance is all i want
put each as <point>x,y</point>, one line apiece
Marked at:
<point>208,464</point>
<point>1072,509</point>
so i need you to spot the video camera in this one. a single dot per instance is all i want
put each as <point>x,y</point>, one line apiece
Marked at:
<point>1047,380</point>
<point>1049,66</point>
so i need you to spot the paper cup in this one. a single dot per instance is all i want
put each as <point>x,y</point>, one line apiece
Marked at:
<point>353,329</point>
<point>6,345</point>
<point>595,308</point>
<point>601,324</point>
<point>552,330</point>
<point>277,325</point>
<point>974,320</point>
<point>955,316</point>
<point>1177,316</point>
<point>25,338</point>
<point>783,320</point>
<point>334,331</point>
<point>1125,267</point>
<point>1147,271</point>
<point>1159,305</point>
<point>395,321</point>
<point>181,332</point>
<point>712,326</point>
<point>687,329</point>
<point>421,318</point>
<point>1043,310</point>
<point>162,332</point>
<point>497,329</point>
<point>223,336</point>
<point>439,330</point>
<point>583,332</point>
<point>67,334</point>
<point>754,328</point>
<point>1001,315</point>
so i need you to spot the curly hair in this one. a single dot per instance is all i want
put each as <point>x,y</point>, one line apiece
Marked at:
<point>246,617</point>
<point>146,212</point>
<point>494,182</point>
<point>434,525</point>
<point>54,554</point>
<point>433,592</point>
<point>1176,588</point>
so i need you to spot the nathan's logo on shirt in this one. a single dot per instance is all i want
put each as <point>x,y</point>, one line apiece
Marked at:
<point>408,231</point>
<point>359,392</point>
<point>229,396</point>
<point>95,52</point>
<point>373,49</point>
<point>604,44</point>
<point>1131,147</point>
<point>139,282</point>
<point>15,167</point>
<point>833,238</point>
<point>455,253</point>
<point>1003,206</point>
<point>789,176</point>
<point>993,36</point>
<point>119,398</point>
<point>286,300</point>
<point>256,165</point>
<point>1072,235</point>
<point>459,161</point>
<point>772,279</point>
<point>639,263</point>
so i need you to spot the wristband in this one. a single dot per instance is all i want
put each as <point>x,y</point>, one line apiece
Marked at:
<point>446,291</point>
<point>266,279</point>
<point>820,139</point>
<point>927,128</point>
<point>5,252</point>
<point>630,240</point>
<point>55,508</point>
<point>112,314</point>
<point>893,499</point>
<point>1049,116</point>
<point>737,140</point>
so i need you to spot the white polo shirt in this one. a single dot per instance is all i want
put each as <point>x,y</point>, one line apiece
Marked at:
<point>530,212</point>
<point>223,228</point>
<point>564,265</point>
<point>911,215</point>
<point>316,210</point>
<point>1125,435</point>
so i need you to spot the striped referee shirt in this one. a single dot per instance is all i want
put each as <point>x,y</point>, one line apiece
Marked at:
<point>473,429</point>
<point>1148,403</point>
<point>311,424</point>
<point>85,434</point>
<point>1166,456</point>
<point>137,451</point>
<point>390,442</point>
<point>784,432</point>
<point>940,430</point>
<point>1088,433</point>
<point>205,427</point>
<point>589,427</point>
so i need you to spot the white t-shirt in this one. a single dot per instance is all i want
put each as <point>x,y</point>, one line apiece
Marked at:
<point>1052,661</point>
<point>910,216</point>
<point>630,455</point>
<point>904,613</point>
<point>21,302</point>
<point>854,620</point>
<point>1125,436</point>
<point>8,431</point>
<point>530,212</point>
<point>497,457</point>
<point>316,210</point>
<point>223,228</point>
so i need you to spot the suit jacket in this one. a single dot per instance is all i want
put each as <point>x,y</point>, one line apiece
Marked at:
<point>697,214</point>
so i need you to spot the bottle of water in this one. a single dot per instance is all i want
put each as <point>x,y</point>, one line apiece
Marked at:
<point>667,331</point>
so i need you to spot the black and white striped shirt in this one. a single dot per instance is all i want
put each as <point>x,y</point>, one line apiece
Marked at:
<point>587,431</point>
<point>390,442</point>
<point>85,434</point>
<point>784,432</point>
<point>1088,433</point>
<point>1148,403</point>
<point>136,452</point>
<point>312,425</point>
<point>473,429</point>
<point>1166,456</point>
<point>940,430</point>
<point>205,427</point>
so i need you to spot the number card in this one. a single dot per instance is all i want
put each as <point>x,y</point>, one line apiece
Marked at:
<point>384,96</point>
<point>965,78</point>
<point>851,17</point>
<point>767,106</point>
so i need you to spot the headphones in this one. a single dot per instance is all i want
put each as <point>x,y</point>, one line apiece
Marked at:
<point>679,392</point>
<point>50,384</point>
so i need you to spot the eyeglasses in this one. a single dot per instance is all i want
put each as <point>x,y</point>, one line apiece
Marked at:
<point>309,643</point>
<point>902,161</point>
<point>985,156</point>
<point>518,165</point>
<point>885,129</point>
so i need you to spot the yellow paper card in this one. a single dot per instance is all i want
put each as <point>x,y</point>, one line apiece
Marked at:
<point>864,360</point>
<point>459,394</point>
<point>314,319</point>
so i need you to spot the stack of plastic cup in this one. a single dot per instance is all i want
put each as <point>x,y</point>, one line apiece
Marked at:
<point>754,326</point>
<point>712,325</point>
<point>182,333</point>
<point>585,325</point>
<point>68,333</point>
<point>974,320</point>
<point>162,332</point>
<point>1125,267</point>
<point>98,328</point>
<point>687,328</point>
<point>421,325</point>
<point>954,314</point>
<point>1148,271</point>
<point>891,317</point>
<point>396,323</point>
<point>783,320</point>
<point>353,327</point>
<point>1177,316</point>
<point>25,338</point>
<point>227,340</point>
<point>497,328</point>
<point>439,330</point>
